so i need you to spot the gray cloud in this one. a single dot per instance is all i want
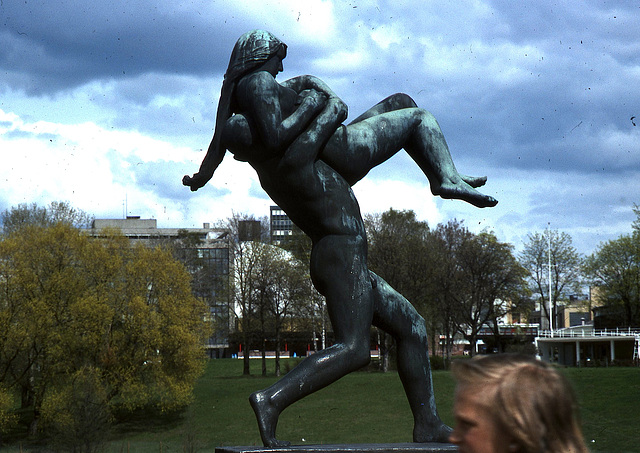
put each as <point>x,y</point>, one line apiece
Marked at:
<point>58,45</point>
<point>539,96</point>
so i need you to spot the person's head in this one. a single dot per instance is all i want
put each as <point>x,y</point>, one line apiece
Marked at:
<point>510,403</point>
<point>253,50</point>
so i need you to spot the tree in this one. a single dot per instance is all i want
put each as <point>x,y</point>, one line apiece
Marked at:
<point>399,253</point>
<point>615,268</point>
<point>474,277</point>
<point>7,417</point>
<point>32,214</point>
<point>459,281</point>
<point>446,240</point>
<point>76,415</point>
<point>282,286</point>
<point>71,306</point>
<point>245,256</point>
<point>636,223</point>
<point>266,267</point>
<point>566,265</point>
<point>291,291</point>
<point>489,276</point>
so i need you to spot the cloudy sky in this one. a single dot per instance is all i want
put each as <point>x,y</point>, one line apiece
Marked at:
<point>107,105</point>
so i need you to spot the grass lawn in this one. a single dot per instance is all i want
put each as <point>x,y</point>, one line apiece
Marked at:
<point>609,401</point>
<point>360,408</point>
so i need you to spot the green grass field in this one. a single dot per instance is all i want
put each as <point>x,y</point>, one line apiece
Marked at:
<point>360,408</point>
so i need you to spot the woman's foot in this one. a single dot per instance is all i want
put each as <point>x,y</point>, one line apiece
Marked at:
<point>461,190</point>
<point>267,416</point>
<point>474,181</point>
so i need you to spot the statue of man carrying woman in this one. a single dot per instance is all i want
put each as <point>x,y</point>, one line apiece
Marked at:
<point>292,134</point>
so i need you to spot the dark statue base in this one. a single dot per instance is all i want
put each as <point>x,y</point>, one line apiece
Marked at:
<point>350,448</point>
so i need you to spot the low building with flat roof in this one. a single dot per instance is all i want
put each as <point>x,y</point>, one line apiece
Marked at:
<point>586,346</point>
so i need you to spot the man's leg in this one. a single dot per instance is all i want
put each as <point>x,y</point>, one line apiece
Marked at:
<point>395,315</point>
<point>339,272</point>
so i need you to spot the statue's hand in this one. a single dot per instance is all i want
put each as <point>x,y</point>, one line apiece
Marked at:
<point>196,181</point>
<point>316,99</point>
<point>342,111</point>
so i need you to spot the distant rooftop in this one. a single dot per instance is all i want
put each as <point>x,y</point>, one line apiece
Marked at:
<point>136,228</point>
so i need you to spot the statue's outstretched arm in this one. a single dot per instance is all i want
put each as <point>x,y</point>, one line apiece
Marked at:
<point>211,161</point>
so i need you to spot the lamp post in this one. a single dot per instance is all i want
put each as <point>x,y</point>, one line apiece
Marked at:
<point>550,299</point>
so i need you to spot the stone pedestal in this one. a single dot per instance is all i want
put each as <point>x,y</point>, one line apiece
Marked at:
<point>347,448</point>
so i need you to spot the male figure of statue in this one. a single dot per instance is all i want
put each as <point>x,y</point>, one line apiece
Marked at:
<point>307,160</point>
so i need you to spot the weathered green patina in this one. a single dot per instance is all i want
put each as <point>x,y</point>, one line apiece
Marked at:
<point>293,135</point>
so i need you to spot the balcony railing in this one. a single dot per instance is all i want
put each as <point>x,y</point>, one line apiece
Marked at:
<point>577,333</point>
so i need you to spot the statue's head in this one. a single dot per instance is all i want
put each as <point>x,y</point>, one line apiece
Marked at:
<point>251,51</point>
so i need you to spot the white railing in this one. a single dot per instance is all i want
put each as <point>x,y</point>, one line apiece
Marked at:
<point>568,333</point>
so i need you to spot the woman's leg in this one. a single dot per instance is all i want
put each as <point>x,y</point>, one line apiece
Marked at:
<point>395,315</point>
<point>400,101</point>
<point>357,148</point>
<point>396,101</point>
<point>338,268</point>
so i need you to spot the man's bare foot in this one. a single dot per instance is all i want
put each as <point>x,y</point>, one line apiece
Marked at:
<point>267,416</point>
<point>439,433</point>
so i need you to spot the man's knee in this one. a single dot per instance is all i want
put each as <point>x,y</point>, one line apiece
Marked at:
<point>359,354</point>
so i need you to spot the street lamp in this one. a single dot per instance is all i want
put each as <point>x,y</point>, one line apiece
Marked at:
<point>550,299</point>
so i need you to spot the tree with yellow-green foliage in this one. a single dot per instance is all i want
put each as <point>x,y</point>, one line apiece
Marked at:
<point>7,417</point>
<point>88,325</point>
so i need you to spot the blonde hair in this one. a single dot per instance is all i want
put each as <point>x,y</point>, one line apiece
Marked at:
<point>530,400</point>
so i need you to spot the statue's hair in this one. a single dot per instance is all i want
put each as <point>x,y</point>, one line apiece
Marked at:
<point>528,398</point>
<point>251,51</point>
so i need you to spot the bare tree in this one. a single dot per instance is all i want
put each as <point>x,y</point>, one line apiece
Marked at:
<point>445,241</point>
<point>32,214</point>
<point>566,265</point>
<point>288,289</point>
<point>245,258</point>
<point>310,309</point>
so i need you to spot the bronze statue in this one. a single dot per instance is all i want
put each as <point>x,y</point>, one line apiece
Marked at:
<point>307,160</point>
